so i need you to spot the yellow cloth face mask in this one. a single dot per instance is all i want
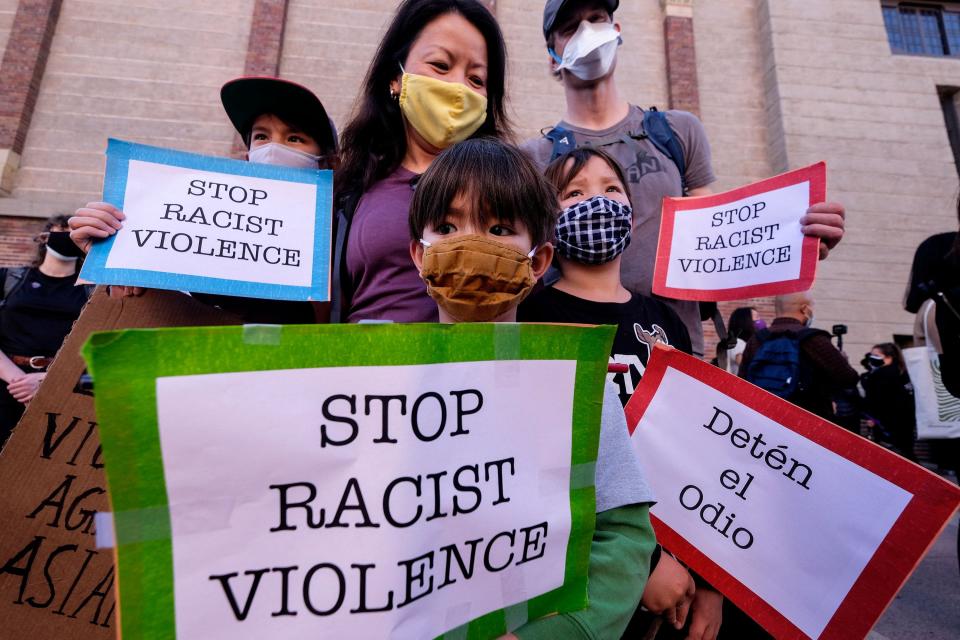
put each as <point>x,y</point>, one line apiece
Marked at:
<point>444,113</point>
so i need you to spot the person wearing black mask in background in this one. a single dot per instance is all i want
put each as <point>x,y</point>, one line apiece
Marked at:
<point>39,305</point>
<point>744,322</point>
<point>889,396</point>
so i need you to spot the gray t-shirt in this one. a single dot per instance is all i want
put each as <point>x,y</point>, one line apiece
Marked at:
<point>652,176</point>
<point>619,477</point>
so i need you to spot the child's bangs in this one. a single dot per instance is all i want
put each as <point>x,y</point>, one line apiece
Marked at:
<point>496,182</point>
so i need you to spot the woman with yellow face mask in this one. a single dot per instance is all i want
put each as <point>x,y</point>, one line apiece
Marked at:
<point>437,78</point>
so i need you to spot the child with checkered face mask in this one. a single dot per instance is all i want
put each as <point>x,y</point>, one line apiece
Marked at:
<point>592,231</point>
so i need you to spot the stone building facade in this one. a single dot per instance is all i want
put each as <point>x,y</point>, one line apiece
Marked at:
<point>778,84</point>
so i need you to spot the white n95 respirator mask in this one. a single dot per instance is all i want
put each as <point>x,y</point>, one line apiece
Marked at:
<point>591,51</point>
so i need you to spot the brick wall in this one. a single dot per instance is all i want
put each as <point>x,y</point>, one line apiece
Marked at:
<point>16,240</point>
<point>328,45</point>
<point>681,64</point>
<point>149,73</point>
<point>24,61</point>
<point>875,118</point>
<point>7,9</point>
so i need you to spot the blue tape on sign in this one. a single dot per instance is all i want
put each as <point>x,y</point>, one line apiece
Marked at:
<point>119,156</point>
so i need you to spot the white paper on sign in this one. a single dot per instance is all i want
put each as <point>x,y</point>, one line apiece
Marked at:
<point>796,529</point>
<point>751,241</point>
<point>227,438</point>
<point>238,237</point>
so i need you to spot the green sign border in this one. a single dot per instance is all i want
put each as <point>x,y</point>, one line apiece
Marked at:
<point>126,364</point>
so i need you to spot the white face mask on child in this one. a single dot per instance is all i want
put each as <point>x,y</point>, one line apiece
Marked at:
<point>281,155</point>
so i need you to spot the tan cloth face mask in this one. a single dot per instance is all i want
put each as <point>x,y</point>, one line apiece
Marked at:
<point>476,279</point>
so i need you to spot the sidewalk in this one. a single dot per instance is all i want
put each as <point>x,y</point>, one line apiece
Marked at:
<point>928,606</point>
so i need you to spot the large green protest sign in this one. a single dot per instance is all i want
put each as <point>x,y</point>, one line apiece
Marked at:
<point>379,481</point>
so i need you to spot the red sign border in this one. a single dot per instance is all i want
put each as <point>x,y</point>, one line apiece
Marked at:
<point>923,519</point>
<point>815,174</point>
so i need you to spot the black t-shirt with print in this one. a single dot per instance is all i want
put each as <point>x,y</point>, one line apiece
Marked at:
<point>641,322</point>
<point>40,314</point>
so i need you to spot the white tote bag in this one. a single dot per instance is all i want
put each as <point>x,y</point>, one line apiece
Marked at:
<point>938,412</point>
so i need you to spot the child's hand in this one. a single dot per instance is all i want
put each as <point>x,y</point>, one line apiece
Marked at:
<point>706,615</point>
<point>118,291</point>
<point>669,591</point>
<point>95,221</point>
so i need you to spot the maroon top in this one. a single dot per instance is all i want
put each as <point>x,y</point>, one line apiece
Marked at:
<point>385,282</point>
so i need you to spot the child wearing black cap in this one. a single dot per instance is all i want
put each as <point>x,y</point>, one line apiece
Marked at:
<point>281,123</point>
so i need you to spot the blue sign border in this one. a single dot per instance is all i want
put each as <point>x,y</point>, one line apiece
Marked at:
<point>119,155</point>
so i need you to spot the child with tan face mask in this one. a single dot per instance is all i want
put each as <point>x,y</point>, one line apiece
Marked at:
<point>480,227</point>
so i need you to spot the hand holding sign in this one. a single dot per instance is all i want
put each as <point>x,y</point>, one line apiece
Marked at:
<point>747,242</point>
<point>808,528</point>
<point>209,225</point>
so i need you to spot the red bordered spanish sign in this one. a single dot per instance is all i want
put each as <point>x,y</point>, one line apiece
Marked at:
<point>808,528</point>
<point>739,244</point>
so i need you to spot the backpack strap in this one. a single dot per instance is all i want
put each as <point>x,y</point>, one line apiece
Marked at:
<point>763,335</point>
<point>658,131</point>
<point>13,279</point>
<point>563,141</point>
<point>341,293</point>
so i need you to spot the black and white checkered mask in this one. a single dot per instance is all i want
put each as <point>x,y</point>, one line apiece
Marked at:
<point>594,231</point>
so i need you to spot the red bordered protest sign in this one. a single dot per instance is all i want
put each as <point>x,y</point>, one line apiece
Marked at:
<point>808,528</point>
<point>743,243</point>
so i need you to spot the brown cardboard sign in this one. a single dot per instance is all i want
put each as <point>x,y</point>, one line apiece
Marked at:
<point>54,582</point>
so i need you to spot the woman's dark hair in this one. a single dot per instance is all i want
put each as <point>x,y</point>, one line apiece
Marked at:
<point>741,323</point>
<point>495,175</point>
<point>374,141</point>
<point>56,220</point>
<point>559,175</point>
<point>891,350</point>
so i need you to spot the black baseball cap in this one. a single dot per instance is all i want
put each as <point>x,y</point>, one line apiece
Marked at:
<point>553,8</point>
<point>246,99</point>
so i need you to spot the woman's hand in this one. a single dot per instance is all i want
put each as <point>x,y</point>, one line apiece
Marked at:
<point>95,221</point>
<point>24,388</point>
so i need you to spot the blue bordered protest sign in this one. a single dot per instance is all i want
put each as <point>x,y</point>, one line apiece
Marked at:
<point>214,225</point>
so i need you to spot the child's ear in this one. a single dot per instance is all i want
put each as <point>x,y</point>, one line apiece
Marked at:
<point>416,252</point>
<point>542,260</point>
